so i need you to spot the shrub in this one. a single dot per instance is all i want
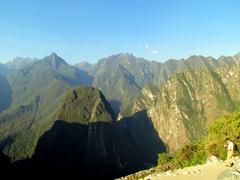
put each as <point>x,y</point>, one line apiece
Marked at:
<point>164,158</point>
<point>228,126</point>
<point>191,155</point>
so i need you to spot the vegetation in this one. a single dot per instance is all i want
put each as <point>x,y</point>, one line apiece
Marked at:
<point>35,91</point>
<point>228,126</point>
<point>121,77</point>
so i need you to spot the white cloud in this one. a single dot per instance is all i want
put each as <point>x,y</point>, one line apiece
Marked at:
<point>154,51</point>
<point>147,46</point>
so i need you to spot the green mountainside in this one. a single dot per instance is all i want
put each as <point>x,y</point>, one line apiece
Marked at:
<point>85,138</point>
<point>85,105</point>
<point>121,77</point>
<point>171,103</point>
<point>189,101</point>
<point>36,92</point>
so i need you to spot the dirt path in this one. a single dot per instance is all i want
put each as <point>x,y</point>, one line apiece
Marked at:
<point>208,171</point>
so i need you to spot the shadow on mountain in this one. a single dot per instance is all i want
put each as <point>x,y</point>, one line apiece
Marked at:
<point>115,105</point>
<point>5,94</point>
<point>144,136</point>
<point>5,163</point>
<point>103,150</point>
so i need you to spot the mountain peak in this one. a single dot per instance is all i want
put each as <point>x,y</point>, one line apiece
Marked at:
<point>237,55</point>
<point>195,57</point>
<point>85,105</point>
<point>55,60</point>
<point>124,55</point>
<point>53,55</point>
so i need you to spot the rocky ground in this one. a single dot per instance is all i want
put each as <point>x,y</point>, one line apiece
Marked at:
<point>212,169</point>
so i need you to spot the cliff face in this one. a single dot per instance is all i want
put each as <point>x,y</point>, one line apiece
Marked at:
<point>145,99</point>
<point>187,102</point>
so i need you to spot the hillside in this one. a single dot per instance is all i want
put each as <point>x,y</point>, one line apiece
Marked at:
<point>189,101</point>
<point>121,77</point>
<point>42,99</point>
<point>202,159</point>
<point>85,138</point>
<point>36,93</point>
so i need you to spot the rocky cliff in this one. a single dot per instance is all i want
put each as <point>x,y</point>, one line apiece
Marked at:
<point>188,101</point>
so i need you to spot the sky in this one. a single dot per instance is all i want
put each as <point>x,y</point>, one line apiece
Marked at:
<point>87,30</point>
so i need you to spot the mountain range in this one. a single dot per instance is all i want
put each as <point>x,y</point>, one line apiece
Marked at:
<point>118,114</point>
<point>120,77</point>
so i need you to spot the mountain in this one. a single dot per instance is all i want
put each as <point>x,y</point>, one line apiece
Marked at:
<point>85,105</point>
<point>84,65</point>
<point>85,138</point>
<point>189,101</point>
<point>38,101</point>
<point>5,94</point>
<point>36,93</point>
<point>19,63</point>
<point>5,70</point>
<point>159,104</point>
<point>116,82</point>
<point>16,64</point>
<point>121,77</point>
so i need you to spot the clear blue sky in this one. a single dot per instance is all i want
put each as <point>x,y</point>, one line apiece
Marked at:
<point>91,29</point>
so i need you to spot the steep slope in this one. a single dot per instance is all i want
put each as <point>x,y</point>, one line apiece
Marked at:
<point>230,76</point>
<point>145,99</point>
<point>110,72</point>
<point>36,93</point>
<point>85,105</point>
<point>187,102</point>
<point>86,139</point>
<point>115,81</point>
